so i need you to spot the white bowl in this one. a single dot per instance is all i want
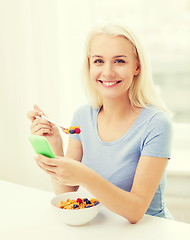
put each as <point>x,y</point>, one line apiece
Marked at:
<point>74,217</point>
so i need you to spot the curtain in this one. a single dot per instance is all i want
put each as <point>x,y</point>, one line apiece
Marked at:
<point>41,54</point>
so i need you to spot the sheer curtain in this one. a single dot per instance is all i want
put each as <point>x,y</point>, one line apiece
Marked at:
<point>41,52</point>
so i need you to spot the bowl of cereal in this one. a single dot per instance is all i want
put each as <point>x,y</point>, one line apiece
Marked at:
<point>75,208</point>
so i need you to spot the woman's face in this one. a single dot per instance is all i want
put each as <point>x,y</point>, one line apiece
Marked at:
<point>113,65</point>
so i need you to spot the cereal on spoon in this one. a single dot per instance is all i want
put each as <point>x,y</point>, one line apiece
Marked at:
<point>72,130</point>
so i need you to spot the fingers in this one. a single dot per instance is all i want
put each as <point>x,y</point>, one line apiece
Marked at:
<point>37,108</point>
<point>41,126</point>
<point>56,169</point>
<point>45,170</point>
<point>46,164</point>
<point>34,113</point>
<point>52,162</point>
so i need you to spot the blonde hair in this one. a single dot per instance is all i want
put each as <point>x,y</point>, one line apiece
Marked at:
<point>142,92</point>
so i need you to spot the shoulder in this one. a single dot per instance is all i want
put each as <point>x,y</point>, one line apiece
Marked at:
<point>153,114</point>
<point>157,119</point>
<point>157,135</point>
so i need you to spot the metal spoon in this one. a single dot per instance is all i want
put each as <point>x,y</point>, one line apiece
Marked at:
<point>57,124</point>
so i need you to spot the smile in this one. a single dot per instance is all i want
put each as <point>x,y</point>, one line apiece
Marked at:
<point>109,83</point>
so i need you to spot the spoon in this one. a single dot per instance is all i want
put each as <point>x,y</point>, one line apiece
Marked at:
<point>57,124</point>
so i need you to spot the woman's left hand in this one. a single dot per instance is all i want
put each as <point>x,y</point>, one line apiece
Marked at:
<point>65,170</point>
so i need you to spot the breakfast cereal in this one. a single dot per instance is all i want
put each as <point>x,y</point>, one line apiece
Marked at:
<point>79,203</point>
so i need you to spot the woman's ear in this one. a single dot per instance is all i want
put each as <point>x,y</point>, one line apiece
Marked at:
<point>88,63</point>
<point>138,69</point>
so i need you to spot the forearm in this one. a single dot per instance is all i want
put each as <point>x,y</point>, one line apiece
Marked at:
<point>126,204</point>
<point>57,186</point>
<point>57,146</point>
<point>61,188</point>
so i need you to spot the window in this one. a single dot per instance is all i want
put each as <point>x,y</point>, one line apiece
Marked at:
<point>164,29</point>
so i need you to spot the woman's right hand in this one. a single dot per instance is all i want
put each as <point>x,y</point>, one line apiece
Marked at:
<point>44,128</point>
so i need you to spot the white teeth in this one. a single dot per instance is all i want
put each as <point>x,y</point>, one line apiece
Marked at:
<point>109,83</point>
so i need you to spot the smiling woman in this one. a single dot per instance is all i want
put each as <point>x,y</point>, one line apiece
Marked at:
<point>122,152</point>
<point>124,50</point>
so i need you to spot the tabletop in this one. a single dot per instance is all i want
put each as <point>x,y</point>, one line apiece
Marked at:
<point>26,213</point>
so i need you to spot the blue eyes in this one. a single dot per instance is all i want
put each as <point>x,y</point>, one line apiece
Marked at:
<point>100,61</point>
<point>120,61</point>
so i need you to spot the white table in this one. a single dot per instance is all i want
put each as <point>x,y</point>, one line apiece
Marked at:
<point>25,213</point>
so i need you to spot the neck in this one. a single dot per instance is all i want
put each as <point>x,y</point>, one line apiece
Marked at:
<point>116,108</point>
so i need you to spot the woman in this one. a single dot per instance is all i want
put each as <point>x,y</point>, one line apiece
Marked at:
<point>123,150</point>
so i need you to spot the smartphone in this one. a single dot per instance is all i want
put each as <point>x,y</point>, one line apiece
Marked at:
<point>41,145</point>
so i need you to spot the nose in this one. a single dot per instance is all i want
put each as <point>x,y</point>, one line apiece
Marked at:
<point>108,71</point>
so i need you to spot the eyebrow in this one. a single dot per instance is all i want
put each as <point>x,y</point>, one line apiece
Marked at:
<point>96,56</point>
<point>118,56</point>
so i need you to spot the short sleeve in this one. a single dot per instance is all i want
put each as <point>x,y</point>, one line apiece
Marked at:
<point>157,139</point>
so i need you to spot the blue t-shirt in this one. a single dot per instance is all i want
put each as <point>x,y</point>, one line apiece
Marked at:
<point>116,161</point>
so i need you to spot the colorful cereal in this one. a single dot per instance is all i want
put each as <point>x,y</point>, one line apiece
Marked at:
<point>72,130</point>
<point>79,203</point>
